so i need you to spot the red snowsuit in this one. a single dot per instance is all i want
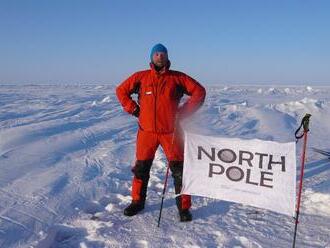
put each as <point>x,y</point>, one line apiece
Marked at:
<point>159,94</point>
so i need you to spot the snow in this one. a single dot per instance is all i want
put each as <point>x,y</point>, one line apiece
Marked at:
<point>66,153</point>
<point>309,88</point>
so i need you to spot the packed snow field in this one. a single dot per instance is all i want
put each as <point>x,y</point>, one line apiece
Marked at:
<point>66,152</point>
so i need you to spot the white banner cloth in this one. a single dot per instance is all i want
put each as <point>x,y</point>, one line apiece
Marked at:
<point>252,172</point>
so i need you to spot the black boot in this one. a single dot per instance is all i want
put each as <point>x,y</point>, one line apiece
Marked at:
<point>134,208</point>
<point>185,215</point>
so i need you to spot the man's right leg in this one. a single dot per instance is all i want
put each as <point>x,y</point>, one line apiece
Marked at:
<point>146,146</point>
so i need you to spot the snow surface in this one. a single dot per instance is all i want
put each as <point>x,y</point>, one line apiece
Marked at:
<point>66,153</point>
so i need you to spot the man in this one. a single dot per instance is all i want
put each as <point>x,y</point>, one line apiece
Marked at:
<point>159,92</point>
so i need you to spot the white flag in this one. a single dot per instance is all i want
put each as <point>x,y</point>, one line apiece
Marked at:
<point>253,172</point>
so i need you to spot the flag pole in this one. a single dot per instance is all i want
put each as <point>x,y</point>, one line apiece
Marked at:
<point>305,125</point>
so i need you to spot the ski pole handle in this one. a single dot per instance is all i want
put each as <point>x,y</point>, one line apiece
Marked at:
<point>305,122</point>
<point>305,125</point>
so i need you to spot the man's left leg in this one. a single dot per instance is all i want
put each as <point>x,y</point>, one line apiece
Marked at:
<point>173,148</point>
<point>183,202</point>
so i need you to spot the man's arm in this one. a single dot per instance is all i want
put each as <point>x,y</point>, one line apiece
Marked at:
<point>125,90</point>
<point>197,96</point>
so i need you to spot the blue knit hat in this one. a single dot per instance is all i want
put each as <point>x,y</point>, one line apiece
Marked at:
<point>157,48</point>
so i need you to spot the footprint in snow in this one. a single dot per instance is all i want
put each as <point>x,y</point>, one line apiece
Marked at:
<point>139,244</point>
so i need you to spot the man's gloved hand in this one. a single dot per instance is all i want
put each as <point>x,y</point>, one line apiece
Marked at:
<point>136,111</point>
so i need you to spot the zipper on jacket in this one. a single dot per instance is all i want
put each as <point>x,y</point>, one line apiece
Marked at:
<point>155,106</point>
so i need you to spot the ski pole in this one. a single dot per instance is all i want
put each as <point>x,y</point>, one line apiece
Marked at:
<point>166,175</point>
<point>163,195</point>
<point>305,125</point>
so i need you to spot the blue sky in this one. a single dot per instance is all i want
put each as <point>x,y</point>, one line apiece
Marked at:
<point>217,42</point>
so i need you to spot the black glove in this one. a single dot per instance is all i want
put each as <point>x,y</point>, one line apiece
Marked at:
<point>136,111</point>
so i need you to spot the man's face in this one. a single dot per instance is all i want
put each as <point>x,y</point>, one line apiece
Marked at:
<point>160,59</point>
